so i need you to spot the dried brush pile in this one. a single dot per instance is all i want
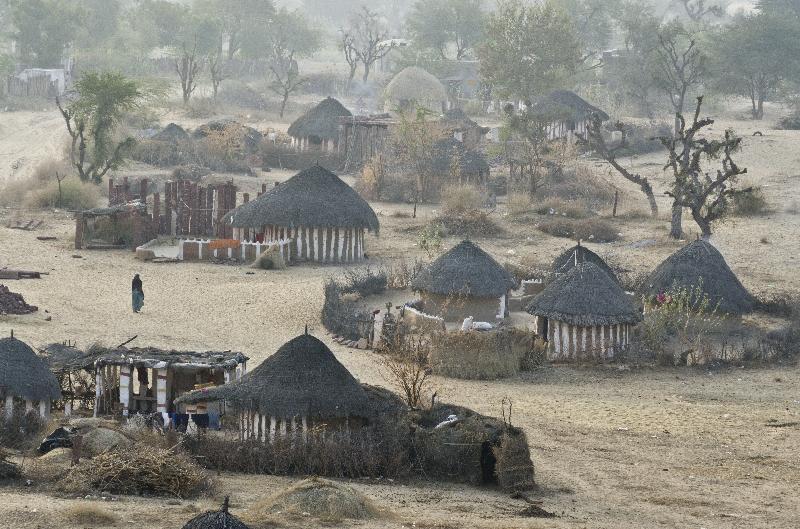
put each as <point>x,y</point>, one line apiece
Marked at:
<point>13,303</point>
<point>140,470</point>
<point>514,467</point>
<point>8,469</point>
<point>480,355</point>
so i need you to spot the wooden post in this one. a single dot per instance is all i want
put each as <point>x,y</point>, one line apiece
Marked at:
<point>80,225</point>
<point>157,213</point>
<point>616,200</point>
<point>168,208</point>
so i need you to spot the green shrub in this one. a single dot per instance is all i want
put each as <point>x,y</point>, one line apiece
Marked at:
<point>750,204</point>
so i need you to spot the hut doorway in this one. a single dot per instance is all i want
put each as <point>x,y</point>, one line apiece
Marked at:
<point>488,464</point>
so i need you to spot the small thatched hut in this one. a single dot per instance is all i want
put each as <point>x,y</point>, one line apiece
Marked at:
<point>699,264</point>
<point>472,166</point>
<point>220,519</point>
<point>569,112</point>
<point>24,377</point>
<point>415,87</point>
<point>583,315</point>
<point>464,282</point>
<point>318,128</point>
<point>299,387</point>
<point>324,218</point>
<point>456,124</point>
<point>572,257</point>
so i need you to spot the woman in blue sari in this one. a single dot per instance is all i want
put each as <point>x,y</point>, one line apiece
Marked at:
<point>137,293</point>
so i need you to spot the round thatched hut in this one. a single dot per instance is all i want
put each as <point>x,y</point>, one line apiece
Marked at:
<point>318,128</point>
<point>415,87</point>
<point>584,315</point>
<point>571,257</point>
<point>699,264</point>
<point>24,377</point>
<point>220,519</point>
<point>464,282</point>
<point>301,386</point>
<point>319,216</point>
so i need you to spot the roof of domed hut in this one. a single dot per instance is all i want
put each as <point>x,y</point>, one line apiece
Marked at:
<point>580,254</point>
<point>415,84</point>
<point>313,197</point>
<point>567,104</point>
<point>465,270</point>
<point>321,121</point>
<point>456,117</point>
<point>470,161</point>
<point>171,132</point>
<point>220,519</point>
<point>696,262</point>
<point>23,374</point>
<point>585,296</point>
<point>303,378</point>
<point>250,136</point>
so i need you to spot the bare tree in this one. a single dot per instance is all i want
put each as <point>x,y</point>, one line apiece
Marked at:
<point>406,366</point>
<point>188,65</point>
<point>706,194</point>
<point>368,31</point>
<point>285,79</point>
<point>680,65</point>
<point>348,45</point>
<point>697,10</point>
<point>216,69</point>
<point>594,140</point>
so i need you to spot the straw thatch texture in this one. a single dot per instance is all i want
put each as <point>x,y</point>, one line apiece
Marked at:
<point>699,262</point>
<point>585,296</point>
<point>25,375</point>
<point>220,519</point>
<point>415,84</point>
<point>303,378</point>
<point>514,467</point>
<point>465,270</point>
<point>479,355</point>
<point>580,254</point>
<point>320,498</point>
<point>314,197</point>
<point>471,163</point>
<point>320,122</point>
<point>567,105</point>
<point>61,357</point>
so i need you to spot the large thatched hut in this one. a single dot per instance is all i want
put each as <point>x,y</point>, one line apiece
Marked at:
<point>318,128</point>
<point>221,519</point>
<point>584,315</point>
<point>322,217</point>
<point>700,265</point>
<point>572,257</point>
<point>299,387</point>
<point>25,378</point>
<point>414,87</point>
<point>465,281</point>
<point>569,113</point>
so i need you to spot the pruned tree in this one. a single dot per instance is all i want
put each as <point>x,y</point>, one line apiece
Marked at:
<point>595,140</point>
<point>406,366</point>
<point>347,43</point>
<point>216,70</point>
<point>411,144</point>
<point>707,194</point>
<point>188,66</point>
<point>92,118</point>
<point>368,31</point>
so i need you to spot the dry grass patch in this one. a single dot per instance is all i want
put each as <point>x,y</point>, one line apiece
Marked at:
<point>89,515</point>
<point>595,230</point>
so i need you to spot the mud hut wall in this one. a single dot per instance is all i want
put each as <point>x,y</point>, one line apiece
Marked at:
<point>567,342</point>
<point>244,251</point>
<point>318,244</point>
<point>457,308</point>
<point>416,321</point>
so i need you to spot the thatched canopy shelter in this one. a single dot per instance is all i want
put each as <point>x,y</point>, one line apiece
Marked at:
<point>319,126</point>
<point>74,370</point>
<point>323,216</point>
<point>699,264</point>
<point>25,376</point>
<point>571,257</point>
<point>465,281</point>
<point>568,111</point>
<point>584,314</point>
<point>302,382</point>
<point>221,519</point>
<point>473,167</point>
<point>415,86</point>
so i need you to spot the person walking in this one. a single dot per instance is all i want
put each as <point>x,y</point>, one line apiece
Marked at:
<point>137,293</point>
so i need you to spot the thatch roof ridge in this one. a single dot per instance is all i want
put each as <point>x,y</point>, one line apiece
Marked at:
<point>585,296</point>
<point>567,259</point>
<point>696,261</point>
<point>23,374</point>
<point>221,519</point>
<point>314,197</point>
<point>415,84</point>
<point>570,103</point>
<point>303,378</point>
<point>321,121</point>
<point>465,270</point>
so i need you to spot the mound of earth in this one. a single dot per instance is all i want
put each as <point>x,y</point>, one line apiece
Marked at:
<point>13,303</point>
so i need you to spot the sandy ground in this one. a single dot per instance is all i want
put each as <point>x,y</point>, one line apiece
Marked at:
<point>612,448</point>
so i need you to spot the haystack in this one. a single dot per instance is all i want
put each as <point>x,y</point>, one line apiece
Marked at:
<point>101,440</point>
<point>270,259</point>
<point>701,265</point>
<point>221,519</point>
<point>320,498</point>
<point>570,257</point>
<point>414,86</point>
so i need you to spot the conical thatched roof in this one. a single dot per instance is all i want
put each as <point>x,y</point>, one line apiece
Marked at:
<point>303,378</point>
<point>580,254</point>
<point>220,519</point>
<point>314,197</point>
<point>171,132</point>
<point>321,122</point>
<point>696,262</point>
<point>585,296</point>
<point>415,84</point>
<point>23,374</point>
<point>470,162</point>
<point>567,105</point>
<point>465,270</point>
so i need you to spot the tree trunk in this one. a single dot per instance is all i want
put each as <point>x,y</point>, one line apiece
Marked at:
<point>353,68</point>
<point>652,200</point>
<point>675,230</point>
<point>366,71</point>
<point>705,225</point>
<point>283,103</point>
<point>759,113</point>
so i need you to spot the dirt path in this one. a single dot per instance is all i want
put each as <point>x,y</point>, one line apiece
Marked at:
<point>27,138</point>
